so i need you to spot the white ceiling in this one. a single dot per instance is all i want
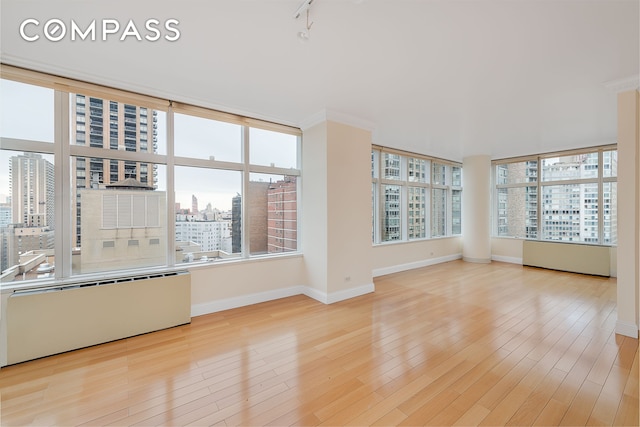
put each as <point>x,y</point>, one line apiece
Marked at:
<point>445,78</point>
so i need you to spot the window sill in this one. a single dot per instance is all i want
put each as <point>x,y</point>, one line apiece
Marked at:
<point>10,287</point>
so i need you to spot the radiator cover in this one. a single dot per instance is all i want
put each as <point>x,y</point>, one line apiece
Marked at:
<point>575,258</point>
<point>46,322</point>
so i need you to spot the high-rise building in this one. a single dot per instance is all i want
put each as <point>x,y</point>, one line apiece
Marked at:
<point>417,212</point>
<point>391,227</point>
<point>209,235</point>
<point>194,205</point>
<point>5,214</point>
<point>258,219</point>
<point>29,225</point>
<point>272,217</point>
<point>518,207</point>
<point>32,191</point>
<point>570,211</point>
<point>236,224</point>
<point>282,216</point>
<point>116,126</point>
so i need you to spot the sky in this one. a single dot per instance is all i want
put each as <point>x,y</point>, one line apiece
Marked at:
<point>26,112</point>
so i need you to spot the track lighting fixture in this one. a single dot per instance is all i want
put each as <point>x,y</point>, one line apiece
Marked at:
<point>304,8</point>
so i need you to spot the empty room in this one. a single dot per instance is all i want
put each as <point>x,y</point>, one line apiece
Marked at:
<point>319,212</point>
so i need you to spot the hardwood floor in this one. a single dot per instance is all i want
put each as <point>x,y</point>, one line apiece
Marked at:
<point>451,344</point>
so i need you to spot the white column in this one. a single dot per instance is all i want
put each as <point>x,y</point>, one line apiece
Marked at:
<point>476,209</point>
<point>628,212</point>
<point>336,187</point>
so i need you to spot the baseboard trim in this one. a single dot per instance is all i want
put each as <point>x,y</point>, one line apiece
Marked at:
<point>509,259</point>
<point>245,300</point>
<point>229,303</point>
<point>477,260</point>
<point>412,265</point>
<point>627,329</point>
<point>340,295</point>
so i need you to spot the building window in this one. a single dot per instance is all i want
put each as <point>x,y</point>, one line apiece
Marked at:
<point>573,201</point>
<point>414,197</point>
<point>118,208</point>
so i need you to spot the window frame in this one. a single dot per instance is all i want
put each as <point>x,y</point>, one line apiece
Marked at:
<point>63,150</point>
<point>540,184</point>
<point>404,182</point>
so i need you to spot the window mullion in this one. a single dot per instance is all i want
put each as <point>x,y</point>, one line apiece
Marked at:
<point>62,184</point>
<point>171,194</point>
<point>244,221</point>
<point>539,199</point>
<point>600,199</point>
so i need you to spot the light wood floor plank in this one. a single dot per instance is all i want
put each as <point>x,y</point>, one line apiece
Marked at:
<point>450,344</point>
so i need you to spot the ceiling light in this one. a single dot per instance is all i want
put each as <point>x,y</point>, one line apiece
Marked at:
<point>304,7</point>
<point>303,35</point>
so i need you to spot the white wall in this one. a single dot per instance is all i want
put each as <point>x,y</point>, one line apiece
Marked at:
<point>314,205</point>
<point>506,249</point>
<point>234,284</point>
<point>628,254</point>
<point>337,210</point>
<point>349,208</point>
<point>394,257</point>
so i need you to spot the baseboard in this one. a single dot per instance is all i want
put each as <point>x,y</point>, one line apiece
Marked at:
<point>477,260</point>
<point>417,264</point>
<point>627,329</point>
<point>229,303</point>
<point>509,259</point>
<point>340,295</point>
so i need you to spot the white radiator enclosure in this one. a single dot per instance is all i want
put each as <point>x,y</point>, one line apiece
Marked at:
<point>575,258</point>
<point>49,321</point>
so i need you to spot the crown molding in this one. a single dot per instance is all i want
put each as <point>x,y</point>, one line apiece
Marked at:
<point>338,117</point>
<point>623,85</point>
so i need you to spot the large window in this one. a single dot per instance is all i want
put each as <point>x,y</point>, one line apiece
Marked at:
<point>414,197</point>
<point>136,182</point>
<point>573,201</point>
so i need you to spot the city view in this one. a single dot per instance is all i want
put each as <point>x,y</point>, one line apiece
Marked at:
<point>567,206</point>
<point>119,218</point>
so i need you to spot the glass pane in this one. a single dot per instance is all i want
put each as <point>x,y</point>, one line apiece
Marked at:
<point>118,224</point>
<point>456,212</point>
<point>391,226</point>
<point>417,209</point>
<point>438,212</point>
<point>202,138</point>
<point>440,174</point>
<point>517,213</point>
<point>610,160</point>
<point>208,214</point>
<point>268,148</point>
<point>26,111</point>
<point>570,212</point>
<point>575,166</point>
<point>418,170</point>
<point>456,176</point>
<point>610,212</point>
<point>273,214</point>
<point>517,173</point>
<point>392,166</point>
<point>373,212</point>
<point>27,222</point>
<point>102,123</point>
<point>375,164</point>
